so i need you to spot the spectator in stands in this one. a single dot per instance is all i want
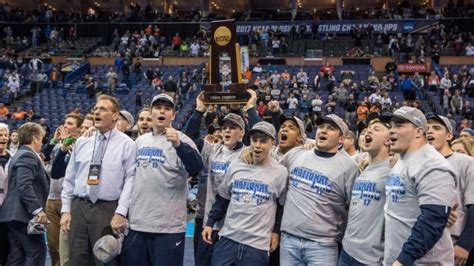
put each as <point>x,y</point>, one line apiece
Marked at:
<point>137,69</point>
<point>36,64</point>
<point>445,82</point>
<point>13,144</point>
<point>456,103</point>
<point>257,69</point>
<point>276,46</point>
<point>91,88</point>
<point>407,88</point>
<point>350,107</point>
<point>362,112</point>
<point>386,102</point>
<point>14,87</point>
<point>375,97</point>
<point>317,105</point>
<point>469,49</point>
<point>195,49</point>
<point>302,77</point>
<point>433,81</point>
<point>170,87</point>
<point>292,102</point>
<point>467,111</point>
<point>176,42</point>
<point>18,115</point>
<point>330,105</point>
<point>54,77</point>
<point>4,112</point>
<point>418,85</point>
<point>111,77</point>
<point>42,78</point>
<point>385,84</point>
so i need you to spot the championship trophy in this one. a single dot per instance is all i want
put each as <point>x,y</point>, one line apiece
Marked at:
<point>224,67</point>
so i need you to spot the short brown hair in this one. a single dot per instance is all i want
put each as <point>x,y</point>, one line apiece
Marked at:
<point>29,130</point>
<point>89,116</point>
<point>79,118</point>
<point>112,99</point>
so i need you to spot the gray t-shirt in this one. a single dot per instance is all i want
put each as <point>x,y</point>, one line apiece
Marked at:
<point>160,188</point>
<point>217,158</point>
<point>253,191</point>
<point>463,165</point>
<point>318,194</point>
<point>363,239</point>
<point>419,178</point>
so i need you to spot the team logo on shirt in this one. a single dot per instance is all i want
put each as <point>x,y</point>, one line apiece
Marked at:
<point>250,191</point>
<point>367,191</point>
<point>218,168</point>
<point>304,178</point>
<point>150,156</point>
<point>394,188</point>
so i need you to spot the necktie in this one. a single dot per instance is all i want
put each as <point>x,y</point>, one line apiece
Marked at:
<point>99,151</point>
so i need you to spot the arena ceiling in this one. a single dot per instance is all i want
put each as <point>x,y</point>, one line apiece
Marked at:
<point>215,5</point>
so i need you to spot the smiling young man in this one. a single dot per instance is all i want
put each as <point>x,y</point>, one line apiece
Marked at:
<point>320,182</point>
<point>144,121</point>
<point>216,158</point>
<point>363,238</point>
<point>440,134</point>
<point>420,192</point>
<point>97,186</point>
<point>165,159</point>
<point>249,199</point>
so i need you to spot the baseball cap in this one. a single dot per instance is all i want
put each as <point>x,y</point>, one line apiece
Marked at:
<point>162,97</point>
<point>468,130</point>
<point>410,114</point>
<point>234,119</point>
<point>264,127</point>
<point>128,116</point>
<point>334,119</point>
<point>298,121</point>
<point>107,248</point>
<point>444,120</point>
<point>212,128</point>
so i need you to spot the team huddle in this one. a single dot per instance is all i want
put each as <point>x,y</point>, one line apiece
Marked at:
<point>268,195</point>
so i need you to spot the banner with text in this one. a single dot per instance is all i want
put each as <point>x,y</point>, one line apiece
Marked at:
<point>338,27</point>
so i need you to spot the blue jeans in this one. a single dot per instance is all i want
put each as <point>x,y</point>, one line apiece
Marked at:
<point>204,250</point>
<point>140,248</point>
<point>297,251</point>
<point>228,252</point>
<point>346,260</point>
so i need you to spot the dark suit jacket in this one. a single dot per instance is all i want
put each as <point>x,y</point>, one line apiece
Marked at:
<point>28,187</point>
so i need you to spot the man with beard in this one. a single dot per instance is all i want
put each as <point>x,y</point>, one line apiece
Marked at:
<point>319,186</point>
<point>143,122</point>
<point>13,145</point>
<point>440,134</point>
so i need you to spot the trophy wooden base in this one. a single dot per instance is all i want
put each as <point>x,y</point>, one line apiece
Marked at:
<point>213,94</point>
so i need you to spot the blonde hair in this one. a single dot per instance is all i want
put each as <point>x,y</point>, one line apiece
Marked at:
<point>4,126</point>
<point>466,144</point>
